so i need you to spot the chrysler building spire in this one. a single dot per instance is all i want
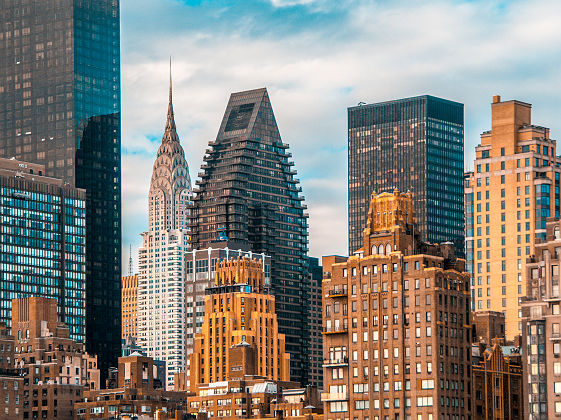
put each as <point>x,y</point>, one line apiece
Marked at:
<point>161,312</point>
<point>170,133</point>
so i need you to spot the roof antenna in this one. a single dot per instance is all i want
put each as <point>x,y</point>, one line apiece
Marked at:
<point>130,260</point>
<point>170,79</point>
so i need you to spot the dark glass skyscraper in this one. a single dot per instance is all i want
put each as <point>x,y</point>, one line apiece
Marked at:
<point>42,243</point>
<point>414,144</point>
<point>248,188</point>
<point>60,106</point>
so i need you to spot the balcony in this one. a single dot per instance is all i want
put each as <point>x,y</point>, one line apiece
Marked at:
<point>334,396</point>
<point>336,362</point>
<point>336,330</point>
<point>333,293</point>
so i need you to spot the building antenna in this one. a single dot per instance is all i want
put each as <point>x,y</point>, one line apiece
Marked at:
<point>130,260</point>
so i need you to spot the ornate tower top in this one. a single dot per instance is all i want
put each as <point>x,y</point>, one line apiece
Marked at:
<point>240,271</point>
<point>170,132</point>
<point>389,210</point>
<point>390,219</point>
<point>170,186</point>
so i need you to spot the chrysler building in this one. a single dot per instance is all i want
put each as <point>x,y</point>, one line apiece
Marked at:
<point>161,289</point>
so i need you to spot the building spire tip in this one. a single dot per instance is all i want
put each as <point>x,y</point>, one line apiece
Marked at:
<point>170,121</point>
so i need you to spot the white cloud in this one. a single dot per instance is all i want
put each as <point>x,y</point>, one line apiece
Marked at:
<point>373,51</point>
<point>289,3</point>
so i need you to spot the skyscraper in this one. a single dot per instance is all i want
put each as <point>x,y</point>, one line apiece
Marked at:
<point>60,107</point>
<point>414,144</point>
<point>541,328</point>
<point>200,272</point>
<point>248,188</point>
<point>239,311</point>
<point>396,323</point>
<point>513,190</point>
<point>42,243</point>
<point>161,259</point>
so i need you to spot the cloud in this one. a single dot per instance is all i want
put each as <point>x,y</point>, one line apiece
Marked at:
<point>290,3</point>
<point>316,61</point>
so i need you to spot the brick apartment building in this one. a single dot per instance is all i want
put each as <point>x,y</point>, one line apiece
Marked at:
<point>397,339</point>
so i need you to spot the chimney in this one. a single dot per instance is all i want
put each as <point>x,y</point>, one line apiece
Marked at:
<point>496,99</point>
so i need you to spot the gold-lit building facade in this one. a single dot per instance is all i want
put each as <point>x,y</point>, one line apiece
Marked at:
<point>513,189</point>
<point>239,313</point>
<point>129,307</point>
<point>497,384</point>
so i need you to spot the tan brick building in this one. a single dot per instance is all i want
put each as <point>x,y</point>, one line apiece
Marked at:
<point>56,368</point>
<point>489,325</point>
<point>397,339</point>
<point>129,307</point>
<point>239,311</point>
<point>497,385</point>
<point>135,395</point>
<point>239,368</point>
<point>11,380</point>
<point>255,398</point>
<point>541,332</point>
<point>513,190</point>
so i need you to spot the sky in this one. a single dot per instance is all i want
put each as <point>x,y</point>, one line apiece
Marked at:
<point>316,58</point>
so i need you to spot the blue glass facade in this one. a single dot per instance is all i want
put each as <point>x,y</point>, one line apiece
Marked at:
<point>60,107</point>
<point>42,244</point>
<point>414,144</point>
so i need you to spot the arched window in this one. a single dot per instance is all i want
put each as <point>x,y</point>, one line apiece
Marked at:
<point>381,249</point>
<point>374,249</point>
<point>556,232</point>
<point>388,249</point>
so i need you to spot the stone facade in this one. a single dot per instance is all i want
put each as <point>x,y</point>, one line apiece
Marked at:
<point>200,270</point>
<point>135,395</point>
<point>512,191</point>
<point>56,368</point>
<point>240,330</point>
<point>497,385</point>
<point>396,323</point>
<point>541,332</point>
<point>489,325</point>
<point>11,380</point>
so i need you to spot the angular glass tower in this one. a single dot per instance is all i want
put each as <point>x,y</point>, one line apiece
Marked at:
<point>248,188</point>
<point>60,107</point>
<point>413,144</point>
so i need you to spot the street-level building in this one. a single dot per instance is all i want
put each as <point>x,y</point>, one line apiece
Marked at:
<point>489,325</point>
<point>255,398</point>
<point>56,368</point>
<point>11,379</point>
<point>513,189</point>
<point>161,285</point>
<point>541,331</point>
<point>397,333</point>
<point>42,242</point>
<point>138,394</point>
<point>497,383</point>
